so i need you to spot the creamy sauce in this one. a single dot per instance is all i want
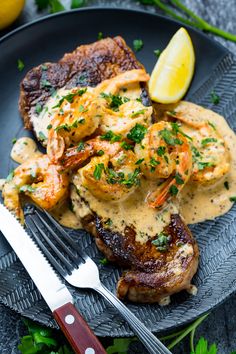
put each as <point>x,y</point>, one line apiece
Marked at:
<point>65,216</point>
<point>198,202</point>
<point>132,212</point>
<point>24,149</point>
<point>2,182</point>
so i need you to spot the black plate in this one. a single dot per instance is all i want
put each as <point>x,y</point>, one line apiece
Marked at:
<point>47,40</point>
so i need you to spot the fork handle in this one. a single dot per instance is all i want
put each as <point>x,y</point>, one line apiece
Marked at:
<point>153,345</point>
<point>76,330</point>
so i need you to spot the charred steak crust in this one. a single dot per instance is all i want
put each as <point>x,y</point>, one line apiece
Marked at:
<point>154,274</point>
<point>87,65</point>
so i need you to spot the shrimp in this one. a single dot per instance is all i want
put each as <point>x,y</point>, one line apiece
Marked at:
<point>164,153</point>
<point>112,86</point>
<point>110,174</point>
<point>111,179</point>
<point>38,179</point>
<point>211,157</point>
<point>74,121</point>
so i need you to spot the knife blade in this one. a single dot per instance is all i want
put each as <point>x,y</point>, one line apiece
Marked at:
<point>54,292</point>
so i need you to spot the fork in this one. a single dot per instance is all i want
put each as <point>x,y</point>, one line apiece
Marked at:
<point>81,271</point>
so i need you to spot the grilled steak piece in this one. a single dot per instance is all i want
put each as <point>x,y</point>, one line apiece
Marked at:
<point>154,274</point>
<point>87,65</point>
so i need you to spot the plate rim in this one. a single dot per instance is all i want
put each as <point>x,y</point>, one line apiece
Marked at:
<point>118,8</point>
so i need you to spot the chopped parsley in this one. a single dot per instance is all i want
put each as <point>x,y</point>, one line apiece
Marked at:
<point>42,136</point>
<point>215,99</point>
<point>206,141</point>
<point>179,179</point>
<point>44,67</point>
<point>173,190</point>
<point>226,184</point>
<point>104,261</point>
<point>110,136</point>
<point>27,188</point>
<point>153,162</point>
<point>132,179</point>
<point>137,133</point>
<point>100,36</point>
<point>49,126</point>
<point>119,177</point>
<point>20,65</point>
<point>108,222</point>
<point>212,125</point>
<point>82,109</point>
<point>176,129</point>
<point>136,114</point>
<point>100,153</point>
<point>161,150</point>
<point>137,44</point>
<point>80,146</point>
<point>14,140</point>
<point>139,161</point>
<point>98,171</point>
<point>168,137</point>
<point>162,242</point>
<point>45,83</point>
<point>126,146</point>
<point>202,165</point>
<point>114,101</point>
<point>70,97</point>
<point>38,108</point>
<point>10,176</point>
<point>157,52</point>
<point>232,199</point>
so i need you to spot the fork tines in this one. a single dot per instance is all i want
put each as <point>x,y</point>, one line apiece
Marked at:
<point>57,245</point>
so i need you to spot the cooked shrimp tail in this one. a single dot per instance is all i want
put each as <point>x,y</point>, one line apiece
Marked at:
<point>38,179</point>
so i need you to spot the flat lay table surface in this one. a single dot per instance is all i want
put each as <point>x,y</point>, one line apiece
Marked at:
<point>220,325</point>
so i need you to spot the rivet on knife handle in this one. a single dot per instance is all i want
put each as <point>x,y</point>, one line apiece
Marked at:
<point>76,330</point>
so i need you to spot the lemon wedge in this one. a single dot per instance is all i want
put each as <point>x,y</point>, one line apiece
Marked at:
<point>9,11</point>
<point>174,69</point>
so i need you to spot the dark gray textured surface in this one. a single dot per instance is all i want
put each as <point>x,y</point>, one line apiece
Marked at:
<point>220,326</point>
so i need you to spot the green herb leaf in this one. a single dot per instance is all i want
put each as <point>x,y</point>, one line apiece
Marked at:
<point>38,108</point>
<point>215,98</point>
<point>27,188</point>
<point>100,153</point>
<point>136,114</point>
<point>179,179</point>
<point>10,176</point>
<point>42,4</point>
<point>173,190</point>
<point>14,140</point>
<point>70,97</point>
<point>49,126</point>
<point>232,199</point>
<point>75,4</point>
<point>157,52</point>
<point>100,36</point>
<point>80,146</point>
<point>120,346</point>
<point>202,347</point>
<point>104,261</point>
<point>206,141</point>
<point>110,136</point>
<point>212,125</point>
<point>115,101</point>
<point>137,133</point>
<point>45,83</point>
<point>169,139</point>
<point>20,65</point>
<point>108,222</point>
<point>161,150</point>
<point>56,6</point>
<point>137,44</point>
<point>98,171</point>
<point>202,165</point>
<point>139,161</point>
<point>126,146</point>
<point>42,136</point>
<point>161,242</point>
<point>176,128</point>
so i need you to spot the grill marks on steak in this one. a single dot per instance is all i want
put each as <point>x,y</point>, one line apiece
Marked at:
<point>87,65</point>
<point>154,274</point>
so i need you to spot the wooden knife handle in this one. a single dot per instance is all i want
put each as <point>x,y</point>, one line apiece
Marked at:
<point>76,330</point>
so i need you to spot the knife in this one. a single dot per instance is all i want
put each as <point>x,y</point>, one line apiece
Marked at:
<point>54,292</point>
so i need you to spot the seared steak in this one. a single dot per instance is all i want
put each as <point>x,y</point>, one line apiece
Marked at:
<point>87,65</point>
